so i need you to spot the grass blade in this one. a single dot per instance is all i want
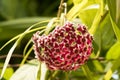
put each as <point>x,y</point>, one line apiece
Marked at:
<point>29,51</point>
<point>27,54</point>
<point>25,49</point>
<point>14,38</point>
<point>8,59</point>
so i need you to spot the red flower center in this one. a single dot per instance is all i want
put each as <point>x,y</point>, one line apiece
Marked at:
<point>66,48</point>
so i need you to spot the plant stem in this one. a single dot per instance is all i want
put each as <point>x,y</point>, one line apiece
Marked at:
<point>39,72</point>
<point>66,75</point>
<point>60,9</point>
<point>26,56</point>
<point>53,75</point>
<point>43,71</point>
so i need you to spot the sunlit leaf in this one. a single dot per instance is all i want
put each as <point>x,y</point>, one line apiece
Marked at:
<point>75,10</point>
<point>76,2</point>
<point>114,51</point>
<point>90,2</point>
<point>88,21</point>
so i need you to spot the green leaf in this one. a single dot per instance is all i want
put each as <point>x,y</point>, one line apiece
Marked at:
<point>76,9</point>
<point>79,7</point>
<point>114,51</point>
<point>116,29</point>
<point>76,1</point>
<point>107,33</point>
<point>27,71</point>
<point>89,12</point>
<point>104,36</point>
<point>90,2</point>
<point>112,8</point>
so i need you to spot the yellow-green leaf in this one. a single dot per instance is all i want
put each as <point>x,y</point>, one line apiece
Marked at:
<point>114,51</point>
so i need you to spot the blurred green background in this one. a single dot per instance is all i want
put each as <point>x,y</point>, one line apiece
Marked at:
<point>12,13</point>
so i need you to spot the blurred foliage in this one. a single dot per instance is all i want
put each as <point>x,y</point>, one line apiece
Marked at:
<point>101,16</point>
<point>12,9</point>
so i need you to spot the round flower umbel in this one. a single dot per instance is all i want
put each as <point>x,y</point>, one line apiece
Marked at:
<point>66,48</point>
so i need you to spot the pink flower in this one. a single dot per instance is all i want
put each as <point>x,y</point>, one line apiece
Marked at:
<point>65,48</point>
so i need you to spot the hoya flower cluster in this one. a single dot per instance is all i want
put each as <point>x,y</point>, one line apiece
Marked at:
<point>65,48</point>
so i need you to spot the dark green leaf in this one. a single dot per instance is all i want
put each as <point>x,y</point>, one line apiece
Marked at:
<point>112,8</point>
<point>116,29</point>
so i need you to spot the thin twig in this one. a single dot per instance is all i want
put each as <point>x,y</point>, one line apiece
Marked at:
<point>14,55</point>
<point>11,65</point>
<point>21,56</point>
<point>66,75</point>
